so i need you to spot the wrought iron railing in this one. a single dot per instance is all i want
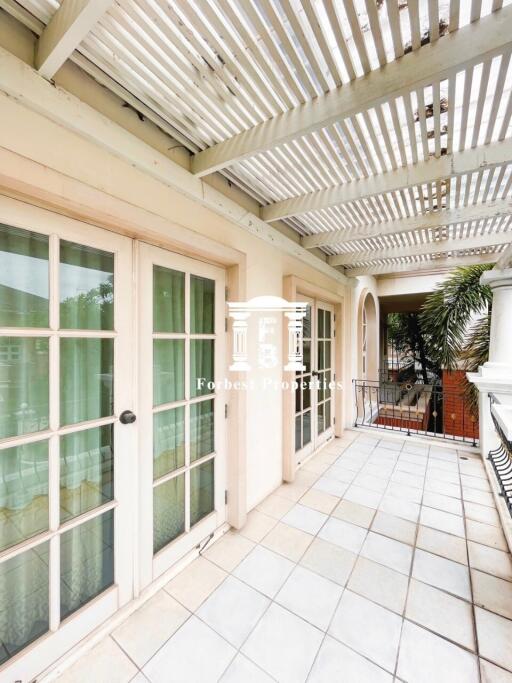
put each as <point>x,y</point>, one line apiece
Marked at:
<point>501,458</point>
<point>415,408</point>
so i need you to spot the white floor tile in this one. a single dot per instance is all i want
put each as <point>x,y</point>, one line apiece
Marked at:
<point>403,492</point>
<point>264,570</point>
<point>440,502</point>
<point>492,593</point>
<point>194,584</point>
<point>444,521</point>
<point>275,506</point>
<point>343,534</point>
<point>305,518</point>
<point>149,627</point>
<point>332,486</point>
<point>494,637</point>
<point>490,560</point>
<point>288,541</point>
<point>283,645</point>
<point>494,674</point>
<point>229,550</point>
<point>310,596</point>
<point>381,584</point>
<point>441,543</point>
<point>329,560</point>
<point>363,496</point>
<point>319,500</point>
<point>194,653</point>
<point>425,658</point>
<point>105,663</point>
<point>354,513</point>
<point>394,527</point>
<point>400,508</point>
<point>233,610</point>
<point>367,628</point>
<point>336,662</point>
<point>257,526</point>
<point>242,670</point>
<point>442,573</point>
<point>482,513</point>
<point>486,535</point>
<point>442,613</point>
<point>387,551</point>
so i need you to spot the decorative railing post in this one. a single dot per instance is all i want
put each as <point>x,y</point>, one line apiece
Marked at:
<point>295,336</point>
<point>240,326</point>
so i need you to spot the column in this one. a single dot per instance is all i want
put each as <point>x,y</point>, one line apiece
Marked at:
<point>295,340</point>
<point>495,376</point>
<point>240,326</point>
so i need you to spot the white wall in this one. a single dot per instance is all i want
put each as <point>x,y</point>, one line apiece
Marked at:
<point>408,284</point>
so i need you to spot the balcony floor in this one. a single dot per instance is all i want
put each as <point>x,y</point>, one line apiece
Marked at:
<point>384,561</point>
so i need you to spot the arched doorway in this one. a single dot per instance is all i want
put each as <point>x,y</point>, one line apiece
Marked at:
<point>367,346</point>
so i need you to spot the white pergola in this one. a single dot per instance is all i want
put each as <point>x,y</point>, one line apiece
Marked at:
<point>379,130</point>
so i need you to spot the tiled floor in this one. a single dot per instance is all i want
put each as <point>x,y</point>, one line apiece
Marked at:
<point>384,561</point>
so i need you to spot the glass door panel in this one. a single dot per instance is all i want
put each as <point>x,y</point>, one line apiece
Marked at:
<point>64,353</point>
<point>303,406</point>
<point>182,332</point>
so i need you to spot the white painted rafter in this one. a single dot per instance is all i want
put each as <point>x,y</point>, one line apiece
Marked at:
<point>432,220</point>
<point>430,171</point>
<point>430,266</point>
<point>434,62</point>
<point>435,247</point>
<point>67,28</point>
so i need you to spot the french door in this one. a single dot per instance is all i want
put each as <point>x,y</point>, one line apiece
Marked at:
<point>65,377</point>
<point>182,356</point>
<point>314,413</point>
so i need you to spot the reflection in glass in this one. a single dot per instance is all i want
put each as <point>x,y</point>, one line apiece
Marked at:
<point>168,511</point>
<point>201,429</point>
<point>306,323</point>
<point>86,470</point>
<point>298,392</point>
<point>320,325</point>
<point>86,282</point>
<point>306,394</point>
<point>86,562</point>
<point>306,355</point>
<point>86,379</point>
<point>306,426</point>
<point>168,441</point>
<point>24,397</point>
<point>23,492</point>
<point>201,366</point>
<point>321,418</point>
<point>201,491</point>
<point>168,300</point>
<point>327,324</point>
<point>298,433</point>
<point>24,591</point>
<point>23,278</point>
<point>168,370</point>
<point>202,305</point>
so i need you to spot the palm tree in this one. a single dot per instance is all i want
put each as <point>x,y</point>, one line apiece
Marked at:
<point>457,315</point>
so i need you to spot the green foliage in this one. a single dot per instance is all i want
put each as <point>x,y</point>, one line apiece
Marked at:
<point>474,354</point>
<point>448,311</point>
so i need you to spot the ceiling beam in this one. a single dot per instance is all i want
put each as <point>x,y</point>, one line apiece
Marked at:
<point>435,265</point>
<point>67,28</point>
<point>438,247</point>
<point>436,61</point>
<point>423,172</point>
<point>432,220</point>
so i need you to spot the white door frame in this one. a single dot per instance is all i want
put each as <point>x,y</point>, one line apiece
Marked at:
<point>152,566</point>
<point>38,655</point>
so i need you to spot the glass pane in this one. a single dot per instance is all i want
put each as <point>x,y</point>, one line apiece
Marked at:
<point>327,354</point>
<point>328,380</point>
<point>86,379</point>
<point>24,590</point>
<point>306,358</point>
<point>168,300</point>
<point>201,366</point>
<point>202,429</point>
<point>23,492</point>
<point>202,305</point>
<point>168,370</point>
<point>86,281</point>
<point>298,392</point>
<point>202,491</point>
<point>306,323</point>
<point>327,414</point>
<point>86,470</point>
<point>86,562</point>
<point>321,380</point>
<point>168,441</point>
<point>327,324</point>
<point>306,426</point>
<point>24,391</point>
<point>23,278</point>
<point>320,325</point>
<point>306,393</point>
<point>321,422</point>
<point>321,355</point>
<point>298,433</point>
<point>168,511</point>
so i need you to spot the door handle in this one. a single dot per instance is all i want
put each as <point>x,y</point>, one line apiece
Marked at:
<point>315,373</point>
<point>127,417</point>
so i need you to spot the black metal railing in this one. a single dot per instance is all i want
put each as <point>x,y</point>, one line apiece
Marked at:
<point>501,459</point>
<point>415,408</point>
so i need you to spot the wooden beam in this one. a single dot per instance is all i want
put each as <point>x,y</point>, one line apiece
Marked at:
<point>424,172</point>
<point>505,259</point>
<point>434,266</point>
<point>469,45</point>
<point>67,28</point>
<point>439,247</point>
<point>430,220</point>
